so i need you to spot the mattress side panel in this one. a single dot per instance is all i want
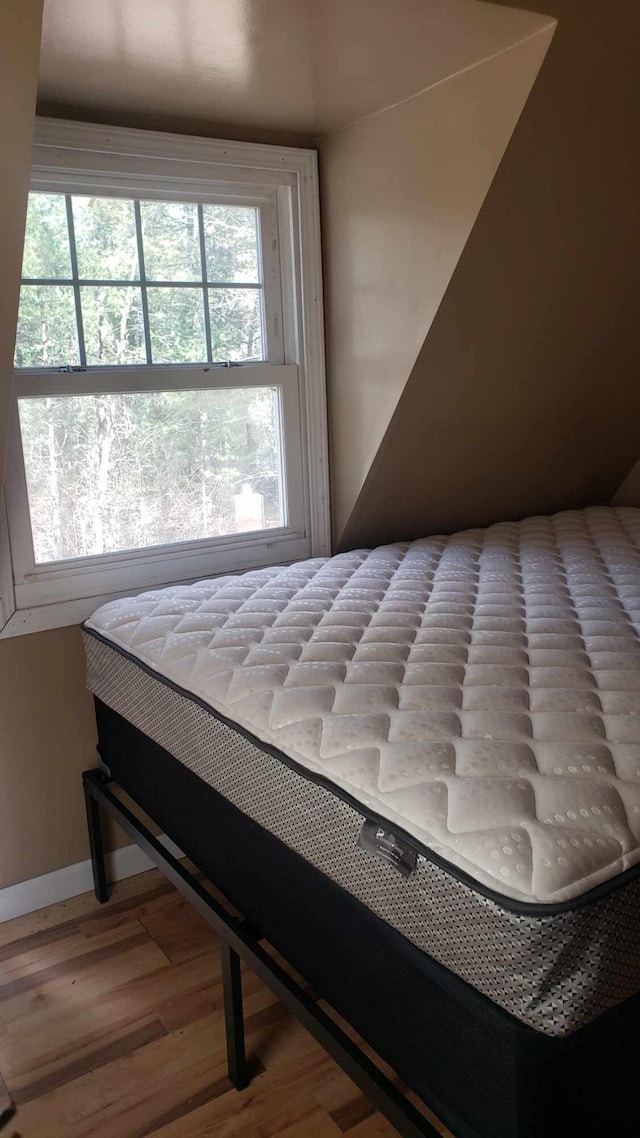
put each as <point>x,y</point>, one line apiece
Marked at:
<point>553,973</point>
<point>417,1015</point>
<point>388,990</point>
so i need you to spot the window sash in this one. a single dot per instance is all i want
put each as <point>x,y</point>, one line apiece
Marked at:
<point>41,584</point>
<point>199,194</point>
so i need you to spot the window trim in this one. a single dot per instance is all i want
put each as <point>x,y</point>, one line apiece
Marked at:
<point>93,156</point>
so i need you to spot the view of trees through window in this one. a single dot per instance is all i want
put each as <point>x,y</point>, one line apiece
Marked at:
<point>117,282</point>
<point>124,471</point>
<point>116,252</point>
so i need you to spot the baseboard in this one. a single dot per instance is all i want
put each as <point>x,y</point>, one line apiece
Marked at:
<point>72,880</point>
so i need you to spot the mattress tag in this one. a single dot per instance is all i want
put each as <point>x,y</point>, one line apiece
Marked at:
<point>388,846</point>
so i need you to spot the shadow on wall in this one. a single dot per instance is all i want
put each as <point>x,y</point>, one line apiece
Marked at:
<point>401,193</point>
<point>628,494</point>
<point>525,397</point>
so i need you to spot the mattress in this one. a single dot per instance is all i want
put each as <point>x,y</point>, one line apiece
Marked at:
<point>477,1067</point>
<point>448,728</point>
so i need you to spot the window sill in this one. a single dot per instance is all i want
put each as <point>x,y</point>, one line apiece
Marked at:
<point>44,618</point>
<point>62,613</point>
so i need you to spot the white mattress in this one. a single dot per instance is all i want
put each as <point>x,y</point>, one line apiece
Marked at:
<point>480,692</point>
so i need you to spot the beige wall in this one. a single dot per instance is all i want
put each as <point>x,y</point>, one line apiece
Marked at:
<point>39,743</point>
<point>47,730</point>
<point>47,737</point>
<point>400,193</point>
<point>19,51</point>
<point>525,396</point>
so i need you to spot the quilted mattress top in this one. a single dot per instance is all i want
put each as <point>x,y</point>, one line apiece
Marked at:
<point>481,691</point>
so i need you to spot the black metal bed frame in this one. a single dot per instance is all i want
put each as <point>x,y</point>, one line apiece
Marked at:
<point>240,942</point>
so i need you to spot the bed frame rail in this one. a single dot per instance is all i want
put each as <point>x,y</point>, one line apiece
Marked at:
<point>240,942</point>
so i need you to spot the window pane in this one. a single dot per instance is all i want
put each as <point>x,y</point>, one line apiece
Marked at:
<point>47,334</point>
<point>231,243</point>
<point>105,232</point>
<point>113,327</point>
<point>176,323</point>
<point>236,323</point>
<point>46,241</point>
<point>171,241</point>
<point>117,472</point>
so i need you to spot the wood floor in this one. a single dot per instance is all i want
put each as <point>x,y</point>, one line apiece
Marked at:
<point>111,1026</point>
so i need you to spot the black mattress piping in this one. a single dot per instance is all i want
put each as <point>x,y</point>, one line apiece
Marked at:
<point>511,905</point>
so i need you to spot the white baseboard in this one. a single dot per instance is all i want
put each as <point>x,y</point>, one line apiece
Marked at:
<point>72,880</point>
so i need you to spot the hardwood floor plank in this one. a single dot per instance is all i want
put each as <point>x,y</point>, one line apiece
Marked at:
<point>273,1013</point>
<point>272,1101</point>
<point>124,895</point>
<point>127,1094</point>
<point>183,1110</point>
<point>103,986</point>
<point>133,907</point>
<point>353,1112</point>
<point>179,930</point>
<point>317,1125</point>
<point>185,1008</point>
<point>68,959</point>
<point>116,991</point>
<point>37,940</point>
<point>26,1059</point>
<point>374,1127</point>
<point>66,944</point>
<point>112,1026</point>
<point>91,1061</point>
<point>282,1043</point>
<point>336,1092</point>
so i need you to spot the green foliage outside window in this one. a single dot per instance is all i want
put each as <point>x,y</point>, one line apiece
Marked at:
<point>107,249</point>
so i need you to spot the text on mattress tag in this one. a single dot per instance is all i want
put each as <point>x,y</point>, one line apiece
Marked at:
<point>385,844</point>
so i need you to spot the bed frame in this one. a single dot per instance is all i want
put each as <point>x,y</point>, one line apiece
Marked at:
<point>474,1066</point>
<point>239,941</point>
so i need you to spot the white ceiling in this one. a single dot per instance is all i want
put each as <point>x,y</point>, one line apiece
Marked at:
<point>304,66</point>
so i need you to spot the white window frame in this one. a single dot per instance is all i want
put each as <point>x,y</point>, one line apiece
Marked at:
<point>75,157</point>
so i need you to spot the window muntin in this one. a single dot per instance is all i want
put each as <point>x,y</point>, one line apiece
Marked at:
<point>116,281</point>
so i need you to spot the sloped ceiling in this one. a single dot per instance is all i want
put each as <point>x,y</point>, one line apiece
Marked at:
<point>295,67</point>
<point>524,397</point>
<point>401,191</point>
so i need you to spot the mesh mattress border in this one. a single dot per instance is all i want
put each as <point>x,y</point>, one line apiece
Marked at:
<point>509,904</point>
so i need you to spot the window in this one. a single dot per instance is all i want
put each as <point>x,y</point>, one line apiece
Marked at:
<point>168,415</point>
<point>117,281</point>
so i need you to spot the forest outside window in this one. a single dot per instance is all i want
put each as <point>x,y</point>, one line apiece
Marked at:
<point>115,281</point>
<point>115,472</point>
<point>160,428</point>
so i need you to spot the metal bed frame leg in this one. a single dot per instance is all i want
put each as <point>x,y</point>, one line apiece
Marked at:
<point>239,941</point>
<point>233,1017</point>
<point>96,845</point>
